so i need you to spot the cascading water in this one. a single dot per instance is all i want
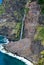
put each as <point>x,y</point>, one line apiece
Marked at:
<point>22,27</point>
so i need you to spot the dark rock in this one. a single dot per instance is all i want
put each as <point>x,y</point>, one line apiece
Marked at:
<point>41,20</point>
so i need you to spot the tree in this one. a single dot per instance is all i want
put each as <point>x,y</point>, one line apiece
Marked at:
<point>41,1</point>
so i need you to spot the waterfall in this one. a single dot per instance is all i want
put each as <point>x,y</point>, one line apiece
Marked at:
<point>22,27</point>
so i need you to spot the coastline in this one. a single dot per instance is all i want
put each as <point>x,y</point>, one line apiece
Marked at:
<point>22,58</point>
<point>5,39</point>
<point>15,56</point>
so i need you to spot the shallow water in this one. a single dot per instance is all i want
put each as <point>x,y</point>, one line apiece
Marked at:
<point>3,40</point>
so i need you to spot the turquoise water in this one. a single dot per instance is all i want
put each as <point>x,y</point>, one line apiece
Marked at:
<point>3,39</point>
<point>0,1</point>
<point>8,60</point>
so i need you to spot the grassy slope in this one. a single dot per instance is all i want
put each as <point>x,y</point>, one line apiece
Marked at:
<point>40,34</point>
<point>40,29</point>
<point>41,60</point>
<point>2,10</point>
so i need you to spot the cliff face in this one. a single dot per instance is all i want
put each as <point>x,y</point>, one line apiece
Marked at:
<point>15,8</point>
<point>12,12</point>
<point>12,3</point>
<point>21,48</point>
<point>26,47</point>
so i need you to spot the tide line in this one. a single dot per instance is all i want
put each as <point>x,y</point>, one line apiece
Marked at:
<point>18,57</point>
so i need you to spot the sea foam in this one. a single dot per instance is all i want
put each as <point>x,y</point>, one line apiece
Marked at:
<point>18,57</point>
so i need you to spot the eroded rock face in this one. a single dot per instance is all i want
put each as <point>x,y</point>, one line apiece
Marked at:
<point>25,48</point>
<point>36,47</point>
<point>13,7</point>
<point>22,47</point>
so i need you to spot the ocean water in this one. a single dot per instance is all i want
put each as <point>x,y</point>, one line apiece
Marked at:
<point>8,60</point>
<point>3,40</point>
<point>0,1</point>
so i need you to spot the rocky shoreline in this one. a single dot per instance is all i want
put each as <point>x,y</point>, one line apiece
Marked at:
<point>22,48</point>
<point>2,50</point>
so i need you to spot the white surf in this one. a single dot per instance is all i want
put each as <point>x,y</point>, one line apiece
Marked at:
<point>18,57</point>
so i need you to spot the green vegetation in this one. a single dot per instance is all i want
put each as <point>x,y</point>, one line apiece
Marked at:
<point>41,60</point>
<point>17,30</point>
<point>40,34</point>
<point>16,10</point>
<point>26,10</point>
<point>42,9</point>
<point>42,52</point>
<point>18,15</point>
<point>11,29</point>
<point>2,10</point>
<point>41,1</point>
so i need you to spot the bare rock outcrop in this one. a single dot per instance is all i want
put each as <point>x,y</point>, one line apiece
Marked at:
<point>22,47</point>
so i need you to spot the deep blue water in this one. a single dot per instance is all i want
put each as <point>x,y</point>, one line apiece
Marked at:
<point>0,1</point>
<point>8,60</point>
